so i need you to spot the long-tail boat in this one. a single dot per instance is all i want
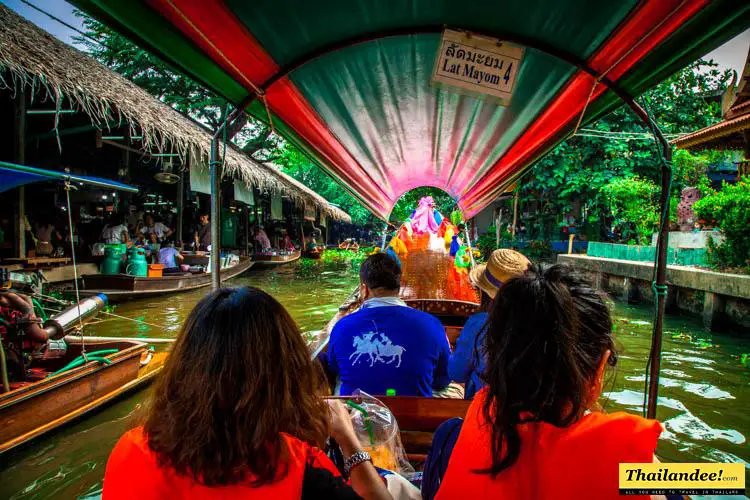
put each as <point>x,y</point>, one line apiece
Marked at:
<point>465,96</point>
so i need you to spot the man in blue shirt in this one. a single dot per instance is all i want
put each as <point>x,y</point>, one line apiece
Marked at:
<point>467,361</point>
<point>387,344</point>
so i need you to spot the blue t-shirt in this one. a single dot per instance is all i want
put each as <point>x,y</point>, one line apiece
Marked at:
<point>390,347</point>
<point>166,256</point>
<point>467,362</point>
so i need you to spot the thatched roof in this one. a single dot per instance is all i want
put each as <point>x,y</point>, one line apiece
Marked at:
<point>31,57</point>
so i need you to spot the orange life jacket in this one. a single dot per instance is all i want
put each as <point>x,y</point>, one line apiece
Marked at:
<point>578,461</point>
<point>133,472</point>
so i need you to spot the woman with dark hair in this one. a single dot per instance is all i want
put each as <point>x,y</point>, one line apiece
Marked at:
<point>534,431</point>
<point>237,413</point>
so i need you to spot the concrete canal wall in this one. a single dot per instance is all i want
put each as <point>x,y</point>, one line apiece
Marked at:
<point>722,299</point>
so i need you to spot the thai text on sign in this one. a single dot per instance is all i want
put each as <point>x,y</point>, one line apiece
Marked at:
<point>477,64</point>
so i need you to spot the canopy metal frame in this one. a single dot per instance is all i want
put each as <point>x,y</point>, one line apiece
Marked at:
<point>659,283</point>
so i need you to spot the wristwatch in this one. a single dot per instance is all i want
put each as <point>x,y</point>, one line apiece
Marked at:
<point>357,458</point>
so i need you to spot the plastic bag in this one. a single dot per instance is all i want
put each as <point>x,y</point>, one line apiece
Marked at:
<point>378,433</point>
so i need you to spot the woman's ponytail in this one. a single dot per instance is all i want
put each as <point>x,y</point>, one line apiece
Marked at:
<point>546,333</point>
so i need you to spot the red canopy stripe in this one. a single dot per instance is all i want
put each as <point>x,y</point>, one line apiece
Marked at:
<point>291,106</point>
<point>631,42</point>
<point>215,29</point>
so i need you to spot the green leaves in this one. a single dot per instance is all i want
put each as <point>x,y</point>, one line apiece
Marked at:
<point>633,203</point>
<point>729,209</point>
<point>579,168</point>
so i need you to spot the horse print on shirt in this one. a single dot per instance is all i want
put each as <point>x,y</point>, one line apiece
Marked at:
<point>377,347</point>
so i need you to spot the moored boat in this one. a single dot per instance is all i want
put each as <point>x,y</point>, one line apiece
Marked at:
<point>58,397</point>
<point>273,259</point>
<point>121,287</point>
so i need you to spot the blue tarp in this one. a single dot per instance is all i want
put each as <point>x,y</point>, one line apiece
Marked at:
<point>13,176</point>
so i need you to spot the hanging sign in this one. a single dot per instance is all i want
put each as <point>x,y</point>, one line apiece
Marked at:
<point>277,208</point>
<point>309,212</point>
<point>243,193</point>
<point>476,64</point>
<point>200,179</point>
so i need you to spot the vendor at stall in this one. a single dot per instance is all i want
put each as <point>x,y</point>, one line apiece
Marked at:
<point>115,231</point>
<point>45,234</point>
<point>170,257</point>
<point>261,239</point>
<point>286,243</point>
<point>202,234</point>
<point>159,229</point>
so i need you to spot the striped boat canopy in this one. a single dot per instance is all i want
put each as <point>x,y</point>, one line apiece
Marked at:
<point>350,81</point>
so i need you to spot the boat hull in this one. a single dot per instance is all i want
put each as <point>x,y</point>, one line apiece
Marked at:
<point>122,287</point>
<point>267,261</point>
<point>39,407</point>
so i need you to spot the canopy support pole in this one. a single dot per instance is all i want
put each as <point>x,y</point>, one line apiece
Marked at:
<point>247,229</point>
<point>660,284</point>
<point>216,173</point>
<point>660,272</point>
<point>181,202</point>
<point>515,216</point>
<point>19,156</point>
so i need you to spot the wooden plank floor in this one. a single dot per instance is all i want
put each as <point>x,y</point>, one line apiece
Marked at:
<point>425,274</point>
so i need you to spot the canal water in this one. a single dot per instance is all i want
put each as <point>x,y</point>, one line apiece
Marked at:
<point>704,403</point>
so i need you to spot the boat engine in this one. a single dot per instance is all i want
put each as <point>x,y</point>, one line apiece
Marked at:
<point>57,326</point>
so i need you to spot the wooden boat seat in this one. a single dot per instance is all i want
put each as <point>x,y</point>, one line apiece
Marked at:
<point>453,332</point>
<point>418,418</point>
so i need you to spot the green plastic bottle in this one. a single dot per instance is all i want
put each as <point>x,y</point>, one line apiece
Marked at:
<point>137,264</point>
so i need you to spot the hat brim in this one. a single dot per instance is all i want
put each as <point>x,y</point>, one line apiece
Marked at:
<point>476,276</point>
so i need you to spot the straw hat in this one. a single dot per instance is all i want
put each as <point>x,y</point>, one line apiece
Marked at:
<point>502,265</point>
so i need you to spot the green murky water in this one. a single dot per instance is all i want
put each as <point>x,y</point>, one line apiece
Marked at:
<point>704,403</point>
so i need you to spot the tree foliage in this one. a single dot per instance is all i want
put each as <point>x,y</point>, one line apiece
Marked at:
<point>578,168</point>
<point>172,87</point>
<point>729,208</point>
<point>296,164</point>
<point>409,201</point>
<point>633,203</point>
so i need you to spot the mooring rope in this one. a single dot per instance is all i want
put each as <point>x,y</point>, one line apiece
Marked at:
<point>135,320</point>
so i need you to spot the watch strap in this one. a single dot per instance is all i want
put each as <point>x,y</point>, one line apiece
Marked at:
<point>357,458</point>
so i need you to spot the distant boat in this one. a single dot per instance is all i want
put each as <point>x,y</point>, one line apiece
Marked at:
<point>273,259</point>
